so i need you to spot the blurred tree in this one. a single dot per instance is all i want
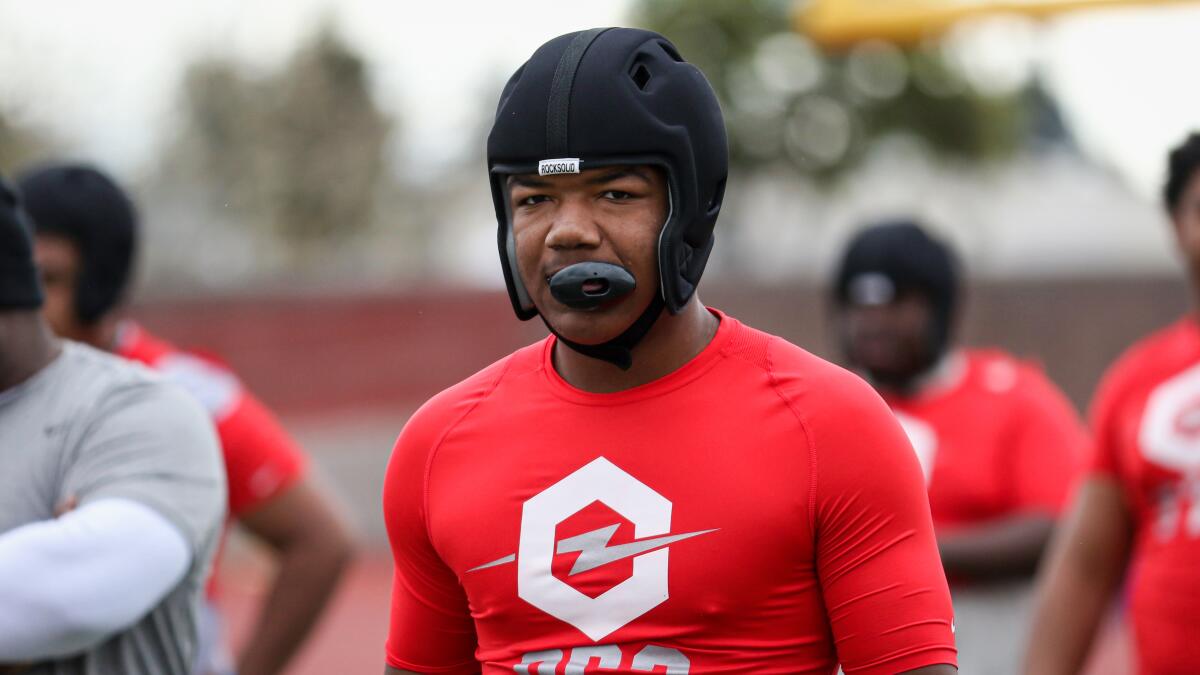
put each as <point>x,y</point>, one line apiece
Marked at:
<point>299,152</point>
<point>786,101</point>
<point>19,146</point>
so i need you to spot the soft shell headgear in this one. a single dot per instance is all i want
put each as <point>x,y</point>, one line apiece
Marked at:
<point>86,207</point>
<point>19,288</point>
<point>890,258</point>
<point>610,96</point>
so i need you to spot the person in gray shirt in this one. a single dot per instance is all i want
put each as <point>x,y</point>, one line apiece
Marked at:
<point>112,495</point>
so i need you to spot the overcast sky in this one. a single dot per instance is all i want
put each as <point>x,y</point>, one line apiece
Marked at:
<point>103,75</point>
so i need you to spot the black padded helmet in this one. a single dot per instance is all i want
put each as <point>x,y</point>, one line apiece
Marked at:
<point>610,96</point>
<point>85,206</point>
<point>897,256</point>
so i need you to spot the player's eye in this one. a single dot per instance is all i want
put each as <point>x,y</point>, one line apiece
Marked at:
<point>53,278</point>
<point>532,200</point>
<point>617,195</point>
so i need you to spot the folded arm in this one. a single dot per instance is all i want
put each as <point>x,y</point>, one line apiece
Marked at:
<point>1006,548</point>
<point>70,583</point>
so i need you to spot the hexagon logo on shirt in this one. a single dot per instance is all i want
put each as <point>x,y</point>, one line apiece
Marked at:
<point>600,487</point>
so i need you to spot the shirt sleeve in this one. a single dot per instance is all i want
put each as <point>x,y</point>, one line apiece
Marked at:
<point>431,626</point>
<point>261,458</point>
<point>72,582</point>
<point>151,443</point>
<point>1048,447</point>
<point>876,555</point>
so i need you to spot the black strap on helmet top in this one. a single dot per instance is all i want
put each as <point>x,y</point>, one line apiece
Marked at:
<point>619,350</point>
<point>559,104</point>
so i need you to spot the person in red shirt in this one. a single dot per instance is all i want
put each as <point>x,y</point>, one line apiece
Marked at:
<point>86,230</point>
<point>999,444</point>
<point>655,487</point>
<point>1137,516</point>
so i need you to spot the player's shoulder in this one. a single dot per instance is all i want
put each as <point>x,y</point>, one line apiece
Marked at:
<point>794,366</point>
<point>844,423</point>
<point>448,407</point>
<point>93,373</point>
<point>817,390</point>
<point>213,384</point>
<point>1014,389</point>
<point>106,385</point>
<point>1154,357</point>
<point>1000,373</point>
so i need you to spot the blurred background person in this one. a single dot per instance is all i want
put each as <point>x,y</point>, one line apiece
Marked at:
<point>1139,510</point>
<point>86,235</point>
<point>1000,445</point>
<point>111,496</point>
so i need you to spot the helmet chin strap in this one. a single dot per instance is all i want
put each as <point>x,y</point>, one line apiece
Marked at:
<point>619,350</point>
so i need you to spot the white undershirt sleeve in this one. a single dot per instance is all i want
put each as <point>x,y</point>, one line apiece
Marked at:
<point>71,583</point>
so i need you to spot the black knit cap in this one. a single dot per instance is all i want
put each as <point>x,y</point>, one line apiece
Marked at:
<point>85,206</point>
<point>19,288</point>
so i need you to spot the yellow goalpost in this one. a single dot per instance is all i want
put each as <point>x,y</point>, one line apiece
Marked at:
<point>839,23</point>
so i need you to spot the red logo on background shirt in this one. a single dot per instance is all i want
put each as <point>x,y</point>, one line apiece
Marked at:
<point>1187,420</point>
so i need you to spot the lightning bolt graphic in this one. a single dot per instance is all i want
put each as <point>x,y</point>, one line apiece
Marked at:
<point>594,550</point>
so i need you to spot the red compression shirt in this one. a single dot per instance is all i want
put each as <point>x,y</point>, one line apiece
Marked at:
<point>1146,422</point>
<point>995,438</point>
<point>757,511</point>
<point>261,459</point>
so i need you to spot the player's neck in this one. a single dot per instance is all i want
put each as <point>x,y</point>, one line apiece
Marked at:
<point>674,340</point>
<point>942,376</point>
<point>104,334</point>
<point>26,347</point>
<point>101,335</point>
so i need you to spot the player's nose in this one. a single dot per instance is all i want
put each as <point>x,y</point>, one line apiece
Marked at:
<point>573,226</point>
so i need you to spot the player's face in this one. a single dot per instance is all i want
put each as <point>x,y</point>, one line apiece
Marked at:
<point>612,215</point>
<point>890,341</point>
<point>59,263</point>
<point>1187,223</point>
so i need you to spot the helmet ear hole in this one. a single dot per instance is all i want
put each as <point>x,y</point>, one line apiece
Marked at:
<point>641,76</point>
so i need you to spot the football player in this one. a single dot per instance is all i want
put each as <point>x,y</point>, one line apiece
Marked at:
<point>655,487</point>
<point>86,235</point>
<point>1000,445</point>
<point>1137,516</point>
<point>111,496</point>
